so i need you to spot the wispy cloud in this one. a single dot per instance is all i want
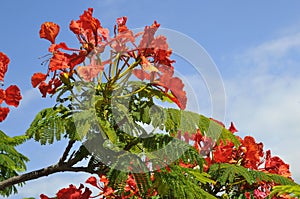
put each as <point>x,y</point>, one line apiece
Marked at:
<point>275,56</point>
<point>264,98</point>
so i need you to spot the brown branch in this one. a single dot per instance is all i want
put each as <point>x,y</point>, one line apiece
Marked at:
<point>41,173</point>
<point>61,166</point>
<point>66,152</point>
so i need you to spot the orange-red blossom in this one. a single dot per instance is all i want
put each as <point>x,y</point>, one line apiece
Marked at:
<point>156,65</point>
<point>12,95</point>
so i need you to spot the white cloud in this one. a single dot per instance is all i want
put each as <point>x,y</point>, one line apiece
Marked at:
<point>279,54</point>
<point>264,100</point>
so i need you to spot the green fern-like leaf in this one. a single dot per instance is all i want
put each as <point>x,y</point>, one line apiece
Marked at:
<point>229,173</point>
<point>202,177</point>
<point>11,161</point>
<point>292,190</point>
<point>174,120</point>
<point>176,184</point>
<point>50,123</point>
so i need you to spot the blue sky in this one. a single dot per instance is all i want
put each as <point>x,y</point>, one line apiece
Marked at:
<point>254,45</point>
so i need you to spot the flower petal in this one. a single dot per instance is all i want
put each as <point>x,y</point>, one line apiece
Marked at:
<point>232,128</point>
<point>4,61</point>
<point>92,180</point>
<point>37,78</point>
<point>49,31</point>
<point>13,96</point>
<point>3,113</point>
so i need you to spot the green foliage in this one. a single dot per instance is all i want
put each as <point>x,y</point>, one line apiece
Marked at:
<point>292,190</point>
<point>174,120</point>
<point>181,183</point>
<point>11,161</point>
<point>50,124</point>
<point>126,163</point>
<point>114,133</point>
<point>229,173</point>
<point>226,174</point>
<point>232,177</point>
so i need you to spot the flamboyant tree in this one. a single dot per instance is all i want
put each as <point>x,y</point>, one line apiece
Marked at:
<point>110,93</point>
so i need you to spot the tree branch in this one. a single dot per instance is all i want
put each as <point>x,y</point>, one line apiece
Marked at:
<point>61,166</point>
<point>41,173</point>
<point>66,152</point>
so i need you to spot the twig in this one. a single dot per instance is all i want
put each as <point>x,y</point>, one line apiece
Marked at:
<point>66,152</point>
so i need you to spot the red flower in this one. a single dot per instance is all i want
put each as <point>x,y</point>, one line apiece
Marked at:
<point>49,31</point>
<point>75,27</point>
<point>92,180</point>
<point>108,191</point>
<point>38,78</point>
<point>253,152</point>
<point>4,61</point>
<point>87,29</point>
<point>276,165</point>
<point>73,193</point>
<point>223,153</point>
<point>162,52</point>
<point>44,88</point>
<point>175,85</point>
<point>232,128</point>
<point>88,72</point>
<point>88,21</point>
<point>206,145</point>
<point>49,88</point>
<point>104,179</point>
<point>59,61</point>
<point>122,24</point>
<point>197,137</point>
<point>13,96</point>
<point>148,35</point>
<point>247,195</point>
<point>42,196</point>
<point>91,71</point>
<point>3,113</point>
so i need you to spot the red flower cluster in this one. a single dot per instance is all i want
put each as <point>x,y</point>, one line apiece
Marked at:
<point>276,165</point>
<point>157,65</point>
<point>71,193</point>
<point>105,190</point>
<point>248,154</point>
<point>89,33</point>
<point>12,95</point>
<point>130,190</point>
<point>152,54</point>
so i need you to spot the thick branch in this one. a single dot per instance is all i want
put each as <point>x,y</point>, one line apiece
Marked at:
<point>41,173</point>
<point>61,166</point>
